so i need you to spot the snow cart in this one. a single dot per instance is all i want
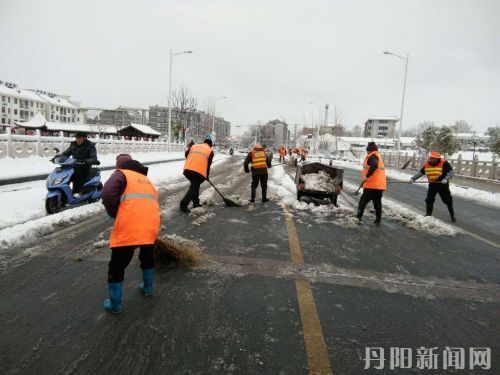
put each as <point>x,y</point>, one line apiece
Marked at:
<point>318,183</point>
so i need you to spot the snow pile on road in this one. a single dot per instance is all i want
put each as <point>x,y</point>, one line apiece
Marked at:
<point>45,225</point>
<point>407,216</point>
<point>320,181</point>
<point>282,185</point>
<point>343,215</point>
<point>203,219</point>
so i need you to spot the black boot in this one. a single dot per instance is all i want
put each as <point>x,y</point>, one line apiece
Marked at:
<point>452,213</point>
<point>428,210</point>
<point>264,196</point>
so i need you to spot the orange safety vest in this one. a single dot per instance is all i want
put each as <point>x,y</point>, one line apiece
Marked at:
<point>138,218</point>
<point>434,172</point>
<point>377,180</point>
<point>197,159</point>
<point>282,151</point>
<point>259,158</point>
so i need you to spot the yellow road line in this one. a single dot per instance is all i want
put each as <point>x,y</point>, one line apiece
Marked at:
<point>293,239</point>
<point>317,352</point>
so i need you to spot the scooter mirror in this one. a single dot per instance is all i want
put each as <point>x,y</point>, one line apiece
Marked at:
<point>56,150</point>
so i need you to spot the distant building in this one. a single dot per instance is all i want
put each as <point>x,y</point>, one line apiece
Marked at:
<point>335,130</point>
<point>199,124</point>
<point>275,133</point>
<point>380,127</point>
<point>122,116</point>
<point>23,104</point>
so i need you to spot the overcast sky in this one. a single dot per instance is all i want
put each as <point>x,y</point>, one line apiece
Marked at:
<point>270,58</point>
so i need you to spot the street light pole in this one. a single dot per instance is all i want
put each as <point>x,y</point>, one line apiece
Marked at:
<point>213,117</point>
<point>172,55</point>
<point>402,101</point>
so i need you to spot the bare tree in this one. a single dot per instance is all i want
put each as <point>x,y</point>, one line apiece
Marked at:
<point>357,131</point>
<point>184,105</point>
<point>461,126</point>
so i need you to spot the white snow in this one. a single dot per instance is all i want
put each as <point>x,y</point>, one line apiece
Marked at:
<point>37,165</point>
<point>23,205</point>
<point>320,181</point>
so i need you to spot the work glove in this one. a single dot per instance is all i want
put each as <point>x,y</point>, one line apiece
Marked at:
<point>444,181</point>
<point>411,181</point>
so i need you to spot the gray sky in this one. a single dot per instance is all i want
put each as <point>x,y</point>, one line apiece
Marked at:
<point>270,58</point>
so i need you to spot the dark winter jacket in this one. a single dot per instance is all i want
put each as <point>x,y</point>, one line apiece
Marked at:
<point>116,184</point>
<point>373,163</point>
<point>258,171</point>
<point>85,152</point>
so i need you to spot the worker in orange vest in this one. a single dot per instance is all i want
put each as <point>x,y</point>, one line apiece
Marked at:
<point>260,161</point>
<point>131,199</point>
<point>374,182</point>
<point>438,172</point>
<point>196,169</point>
<point>282,152</point>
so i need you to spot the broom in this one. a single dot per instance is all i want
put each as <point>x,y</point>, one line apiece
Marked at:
<point>177,251</point>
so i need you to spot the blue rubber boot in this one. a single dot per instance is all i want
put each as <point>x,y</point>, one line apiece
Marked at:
<point>147,285</point>
<point>113,304</point>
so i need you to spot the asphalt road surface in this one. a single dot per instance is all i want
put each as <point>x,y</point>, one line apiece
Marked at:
<point>279,291</point>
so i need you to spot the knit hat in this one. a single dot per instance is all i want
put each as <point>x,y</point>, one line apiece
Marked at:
<point>372,146</point>
<point>122,159</point>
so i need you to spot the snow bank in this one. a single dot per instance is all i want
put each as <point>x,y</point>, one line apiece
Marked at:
<point>23,205</point>
<point>36,165</point>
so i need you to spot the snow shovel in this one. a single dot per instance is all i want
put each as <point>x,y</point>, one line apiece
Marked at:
<point>408,182</point>
<point>359,188</point>
<point>227,201</point>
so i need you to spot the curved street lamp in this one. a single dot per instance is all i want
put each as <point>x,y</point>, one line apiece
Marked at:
<point>405,59</point>
<point>172,55</point>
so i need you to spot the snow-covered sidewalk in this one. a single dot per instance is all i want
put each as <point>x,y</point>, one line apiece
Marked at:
<point>37,165</point>
<point>23,205</point>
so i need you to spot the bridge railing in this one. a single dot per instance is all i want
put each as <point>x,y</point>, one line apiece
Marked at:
<point>20,146</point>
<point>469,168</point>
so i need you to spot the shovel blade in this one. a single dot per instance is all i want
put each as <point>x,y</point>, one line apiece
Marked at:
<point>230,203</point>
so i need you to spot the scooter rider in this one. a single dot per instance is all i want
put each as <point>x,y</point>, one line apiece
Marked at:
<point>85,152</point>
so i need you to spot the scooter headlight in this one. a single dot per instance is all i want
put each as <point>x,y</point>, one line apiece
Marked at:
<point>58,180</point>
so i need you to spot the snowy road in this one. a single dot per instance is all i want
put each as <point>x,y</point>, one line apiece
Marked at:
<point>280,290</point>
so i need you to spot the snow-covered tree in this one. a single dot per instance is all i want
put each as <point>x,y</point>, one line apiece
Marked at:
<point>426,135</point>
<point>357,131</point>
<point>445,141</point>
<point>494,134</point>
<point>184,107</point>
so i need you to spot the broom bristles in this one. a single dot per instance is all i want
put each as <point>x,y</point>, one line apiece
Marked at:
<point>176,250</point>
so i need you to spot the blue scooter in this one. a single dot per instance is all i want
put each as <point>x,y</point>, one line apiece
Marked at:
<point>60,194</point>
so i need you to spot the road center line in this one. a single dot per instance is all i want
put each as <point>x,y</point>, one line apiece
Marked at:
<point>317,352</point>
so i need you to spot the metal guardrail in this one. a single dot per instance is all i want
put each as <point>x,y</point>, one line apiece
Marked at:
<point>20,146</point>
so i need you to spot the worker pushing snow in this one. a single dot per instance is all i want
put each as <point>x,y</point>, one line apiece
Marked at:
<point>131,199</point>
<point>374,182</point>
<point>438,172</point>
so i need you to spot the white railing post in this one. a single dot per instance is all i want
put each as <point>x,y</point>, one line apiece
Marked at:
<point>10,151</point>
<point>475,162</point>
<point>38,134</point>
<point>493,167</point>
<point>61,135</point>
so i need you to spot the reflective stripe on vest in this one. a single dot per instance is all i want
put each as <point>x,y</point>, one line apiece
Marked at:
<point>138,219</point>
<point>197,159</point>
<point>435,171</point>
<point>126,197</point>
<point>377,180</point>
<point>259,159</point>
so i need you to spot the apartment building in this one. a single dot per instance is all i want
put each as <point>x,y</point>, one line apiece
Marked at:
<point>380,127</point>
<point>22,104</point>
